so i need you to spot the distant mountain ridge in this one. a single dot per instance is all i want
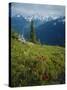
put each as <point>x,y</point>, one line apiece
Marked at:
<point>49,30</point>
<point>52,32</point>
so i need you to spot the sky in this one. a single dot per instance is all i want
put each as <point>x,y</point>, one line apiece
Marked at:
<point>41,10</point>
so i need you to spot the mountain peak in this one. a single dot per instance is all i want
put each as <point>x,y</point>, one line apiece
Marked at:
<point>18,15</point>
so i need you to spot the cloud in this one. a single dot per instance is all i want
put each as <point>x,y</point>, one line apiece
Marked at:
<point>37,9</point>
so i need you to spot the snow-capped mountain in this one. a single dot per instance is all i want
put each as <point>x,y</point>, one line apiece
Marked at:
<point>40,18</point>
<point>52,32</point>
<point>48,29</point>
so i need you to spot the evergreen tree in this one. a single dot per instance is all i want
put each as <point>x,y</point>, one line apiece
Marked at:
<point>32,33</point>
<point>14,35</point>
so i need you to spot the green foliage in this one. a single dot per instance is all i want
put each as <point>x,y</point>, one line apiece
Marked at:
<point>36,64</point>
<point>14,35</point>
<point>32,33</point>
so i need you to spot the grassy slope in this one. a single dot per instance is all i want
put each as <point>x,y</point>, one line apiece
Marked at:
<point>34,64</point>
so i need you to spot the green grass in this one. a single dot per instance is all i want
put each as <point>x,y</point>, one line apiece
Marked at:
<point>33,64</point>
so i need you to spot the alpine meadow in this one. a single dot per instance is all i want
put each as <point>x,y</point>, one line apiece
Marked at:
<point>37,35</point>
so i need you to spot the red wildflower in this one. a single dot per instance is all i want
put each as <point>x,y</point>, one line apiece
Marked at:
<point>45,77</point>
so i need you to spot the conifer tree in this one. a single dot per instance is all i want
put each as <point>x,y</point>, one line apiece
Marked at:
<point>32,33</point>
